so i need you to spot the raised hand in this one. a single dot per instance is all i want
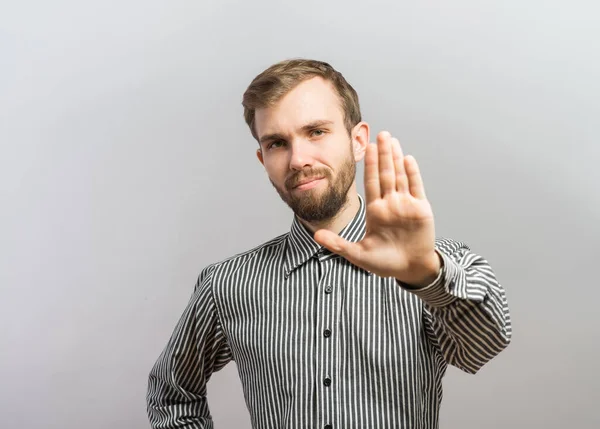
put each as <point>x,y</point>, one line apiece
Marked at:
<point>400,233</point>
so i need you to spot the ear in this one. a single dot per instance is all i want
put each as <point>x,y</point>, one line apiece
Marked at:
<point>260,156</point>
<point>360,140</point>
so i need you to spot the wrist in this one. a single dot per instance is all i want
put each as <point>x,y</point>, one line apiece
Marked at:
<point>423,273</point>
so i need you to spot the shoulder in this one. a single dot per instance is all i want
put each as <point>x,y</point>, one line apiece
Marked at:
<point>231,264</point>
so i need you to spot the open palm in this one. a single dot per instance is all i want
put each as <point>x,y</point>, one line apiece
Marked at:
<point>400,232</point>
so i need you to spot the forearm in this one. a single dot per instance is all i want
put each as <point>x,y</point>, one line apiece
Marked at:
<point>176,396</point>
<point>466,307</point>
<point>170,408</point>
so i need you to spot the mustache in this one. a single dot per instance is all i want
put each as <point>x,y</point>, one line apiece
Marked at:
<point>294,180</point>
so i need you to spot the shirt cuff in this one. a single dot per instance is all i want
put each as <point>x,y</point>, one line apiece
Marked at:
<point>437,294</point>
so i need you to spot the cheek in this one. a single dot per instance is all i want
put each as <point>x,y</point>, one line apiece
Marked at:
<point>276,170</point>
<point>338,153</point>
<point>338,162</point>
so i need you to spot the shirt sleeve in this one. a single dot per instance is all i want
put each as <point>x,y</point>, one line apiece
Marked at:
<point>176,396</point>
<point>465,313</point>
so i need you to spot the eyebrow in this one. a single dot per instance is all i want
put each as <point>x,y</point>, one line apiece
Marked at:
<point>306,127</point>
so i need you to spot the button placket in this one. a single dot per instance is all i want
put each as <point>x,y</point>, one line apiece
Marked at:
<point>328,347</point>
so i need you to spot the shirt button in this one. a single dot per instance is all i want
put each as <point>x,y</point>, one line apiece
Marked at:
<point>328,427</point>
<point>327,382</point>
<point>327,333</point>
<point>328,289</point>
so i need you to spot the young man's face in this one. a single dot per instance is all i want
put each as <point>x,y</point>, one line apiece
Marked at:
<point>306,150</point>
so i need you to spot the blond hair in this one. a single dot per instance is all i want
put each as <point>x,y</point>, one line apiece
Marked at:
<point>276,81</point>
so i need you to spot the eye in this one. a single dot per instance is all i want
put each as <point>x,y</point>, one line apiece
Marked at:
<point>318,133</point>
<point>274,144</point>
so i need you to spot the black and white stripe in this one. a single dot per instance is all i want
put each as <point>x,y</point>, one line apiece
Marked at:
<point>321,343</point>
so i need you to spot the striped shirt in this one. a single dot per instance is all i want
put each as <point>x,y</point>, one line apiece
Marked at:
<point>322,343</point>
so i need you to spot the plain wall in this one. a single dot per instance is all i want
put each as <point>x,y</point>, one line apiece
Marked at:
<point>126,167</point>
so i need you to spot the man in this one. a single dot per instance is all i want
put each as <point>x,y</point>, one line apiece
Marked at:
<point>351,318</point>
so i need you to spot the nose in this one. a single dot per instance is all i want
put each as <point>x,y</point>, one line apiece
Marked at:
<point>300,156</point>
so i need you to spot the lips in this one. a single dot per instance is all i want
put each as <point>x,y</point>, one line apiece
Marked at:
<point>305,181</point>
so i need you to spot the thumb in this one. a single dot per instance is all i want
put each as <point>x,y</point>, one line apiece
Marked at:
<point>336,244</point>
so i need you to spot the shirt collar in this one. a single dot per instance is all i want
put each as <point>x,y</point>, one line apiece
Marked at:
<point>301,245</point>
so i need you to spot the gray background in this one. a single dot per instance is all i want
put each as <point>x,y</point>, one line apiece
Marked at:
<point>126,167</point>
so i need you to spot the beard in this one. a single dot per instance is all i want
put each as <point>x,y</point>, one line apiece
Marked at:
<point>313,206</point>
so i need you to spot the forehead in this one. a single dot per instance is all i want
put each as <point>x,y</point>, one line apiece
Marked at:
<point>311,100</point>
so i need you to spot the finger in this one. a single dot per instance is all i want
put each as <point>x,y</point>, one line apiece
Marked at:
<point>401,179</point>
<point>347,249</point>
<point>415,181</point>
<point>387,171</point>
<point>372,189</point>
<point>330,240</point>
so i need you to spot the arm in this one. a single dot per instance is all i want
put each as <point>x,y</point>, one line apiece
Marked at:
<point>466,313</point>
<point>176,396</point>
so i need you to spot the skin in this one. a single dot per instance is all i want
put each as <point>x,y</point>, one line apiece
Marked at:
<point>303,137</point>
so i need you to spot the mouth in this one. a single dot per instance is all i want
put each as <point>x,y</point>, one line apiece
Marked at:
<point>308,183</point>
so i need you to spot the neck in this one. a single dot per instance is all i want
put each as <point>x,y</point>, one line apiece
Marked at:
<point>343,218</point>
